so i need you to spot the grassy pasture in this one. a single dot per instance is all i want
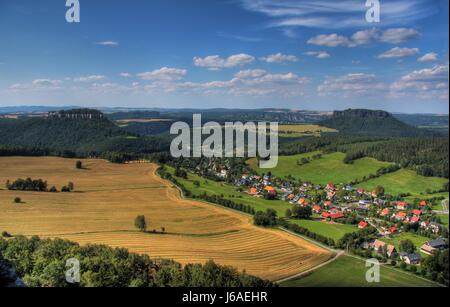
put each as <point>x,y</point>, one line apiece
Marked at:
<point>329,230</point>
<point>302,130</point>
<point>405,181</point>
<point>108,197</point>
<point>229,192</point>
<point>350,272</point>
<point>329,168</point>
<point>416,239</point>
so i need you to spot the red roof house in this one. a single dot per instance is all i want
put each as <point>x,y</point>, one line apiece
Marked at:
<point>363,224</point>
<point>400,215</point>
<point>337,215</point>
<point>384,212</point>
<point>316,209</point>
<point>325,215</point>
<point>393,229</point>
<point>417,212</point>
<point>401,205</point>
<point>415,219</point>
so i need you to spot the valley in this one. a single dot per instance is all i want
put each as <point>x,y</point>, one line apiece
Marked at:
<point>108,197</point>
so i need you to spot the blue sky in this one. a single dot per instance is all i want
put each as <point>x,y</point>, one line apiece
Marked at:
<point>300,54</point>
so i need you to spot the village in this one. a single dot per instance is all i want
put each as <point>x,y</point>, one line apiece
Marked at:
<point>346,204</point>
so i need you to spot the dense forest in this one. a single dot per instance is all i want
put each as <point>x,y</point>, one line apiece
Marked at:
<point>74,133</point>
<point>426,155</point>
<point>42,263</point>
<point>371,123</point>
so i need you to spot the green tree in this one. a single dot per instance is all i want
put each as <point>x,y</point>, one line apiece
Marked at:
<point>78,165</point>
<point>140,223</point>
<point>302,212</point>
<point>407,246</point>
<point>288,213</point>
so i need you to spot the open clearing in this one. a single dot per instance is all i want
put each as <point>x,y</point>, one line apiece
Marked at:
<point>405,181</point>
<point>302,130</point>
<point>327,229</point>
<point>329,168</point>
<point>416,239</point>
<point>347,271</point>
<point>108,197</point>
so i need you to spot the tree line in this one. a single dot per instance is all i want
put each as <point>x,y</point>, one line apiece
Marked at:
<point>428,156</point>
<point>35,185</point>
<point>42,263</point>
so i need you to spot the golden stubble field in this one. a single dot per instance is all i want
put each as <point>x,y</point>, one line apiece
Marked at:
<point>108,197</point>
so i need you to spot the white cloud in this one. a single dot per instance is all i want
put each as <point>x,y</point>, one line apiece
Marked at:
<point>398,52</point>
<point>332,14</point>
<point>216,62</point>
<point>38,84</point>
<point>364,37</point>
<point>125,75</point>
<point>250,73</point>
<point>91,78</point>
<point>350,84</point>
<point>252,83</point>
<point>426,83</point>
<point>399,35</point>
<point>318,54</point>
<point>279,58</point>
<point>429,57</point>
<point>330,40</point>
<point>107,43</point>
<point>164,74</point>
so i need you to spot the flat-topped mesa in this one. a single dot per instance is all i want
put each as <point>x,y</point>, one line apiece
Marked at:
<point>362,113</point>
<point>77,114</point>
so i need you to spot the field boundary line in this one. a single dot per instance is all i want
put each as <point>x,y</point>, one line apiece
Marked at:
<point>398,270</point>
<point>339,254</point>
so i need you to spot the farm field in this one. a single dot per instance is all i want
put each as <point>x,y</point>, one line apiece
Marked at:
<point>350,272</point>
<point>334,231</point>
<point>405,181</point>
<point>329,230</point>
<point>329,168</point>
<point>108,197</point>
<point>229,192</point>
<point>302,130</point>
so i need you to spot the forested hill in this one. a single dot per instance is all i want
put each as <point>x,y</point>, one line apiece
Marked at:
<point>371,123</point>
<point>78,131</point>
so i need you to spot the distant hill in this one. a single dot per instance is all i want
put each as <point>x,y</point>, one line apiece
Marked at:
<point>371,123</point>
<point>78,131</point>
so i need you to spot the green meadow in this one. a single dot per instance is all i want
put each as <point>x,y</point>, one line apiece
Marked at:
<point>444,219</point>
<point>333,231</point>
<point>229,192</point>
<point>350,272</point>
<point>405,181</point>
<point>416,239</point>
<point>329,168</point>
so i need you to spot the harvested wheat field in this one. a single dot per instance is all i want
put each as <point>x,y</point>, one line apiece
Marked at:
<point>108,197</point>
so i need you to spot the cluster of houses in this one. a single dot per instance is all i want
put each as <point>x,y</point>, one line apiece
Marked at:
<point>334,206</point>
<point>403,213</point>
<point>389,250</point>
